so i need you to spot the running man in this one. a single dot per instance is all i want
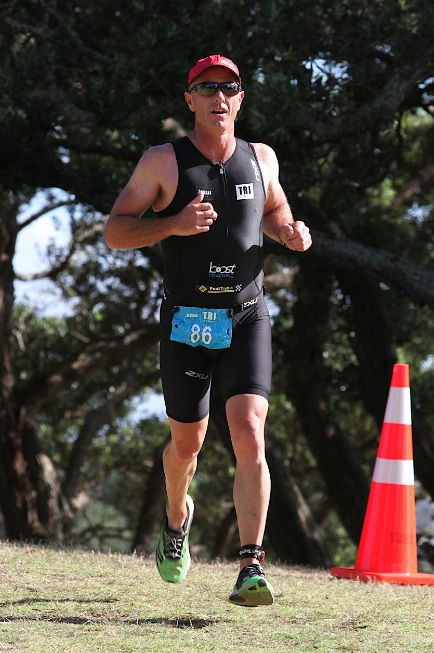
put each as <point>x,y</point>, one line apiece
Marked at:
<point>213,197</point>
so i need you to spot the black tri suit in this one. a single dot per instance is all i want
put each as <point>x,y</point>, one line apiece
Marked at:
<point>218,269</point>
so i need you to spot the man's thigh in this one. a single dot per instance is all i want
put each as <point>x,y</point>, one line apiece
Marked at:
<point>246,367</point>
<point>186,374</point>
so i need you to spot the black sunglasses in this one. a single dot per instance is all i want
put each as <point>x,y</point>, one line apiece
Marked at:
<point>230,89</point>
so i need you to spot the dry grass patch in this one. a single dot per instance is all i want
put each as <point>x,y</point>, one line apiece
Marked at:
<point>61,601</point>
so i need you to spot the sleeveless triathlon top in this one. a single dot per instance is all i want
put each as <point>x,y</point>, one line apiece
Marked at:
<point>224,266</point>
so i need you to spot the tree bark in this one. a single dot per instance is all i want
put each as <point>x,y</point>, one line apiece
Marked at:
<point>29,492</point>
<point>376,356</point>
<point>153,506</point>
<point>347,486</point>
<point>291,528</point>
<point>34,505</point>
<point>344,255</point>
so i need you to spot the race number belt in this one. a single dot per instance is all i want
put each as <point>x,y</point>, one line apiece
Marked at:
<point>204,327</point>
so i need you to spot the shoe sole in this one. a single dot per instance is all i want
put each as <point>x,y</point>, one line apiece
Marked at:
<point>253,594</point>
<point>190,506</point>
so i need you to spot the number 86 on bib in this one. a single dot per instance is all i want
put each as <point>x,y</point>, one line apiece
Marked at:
<point>200,327</point>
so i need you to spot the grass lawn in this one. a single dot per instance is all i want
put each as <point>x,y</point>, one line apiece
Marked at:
<point>71,601</point>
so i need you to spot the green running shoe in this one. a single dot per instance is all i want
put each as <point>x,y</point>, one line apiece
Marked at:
<point>252,588</point>
<point>172,554</point>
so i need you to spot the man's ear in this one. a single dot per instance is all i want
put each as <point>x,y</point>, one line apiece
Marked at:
<point>189,100</point>
<point>241,98</point>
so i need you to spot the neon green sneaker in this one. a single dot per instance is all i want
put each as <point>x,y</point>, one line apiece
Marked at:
<point>252,588</point>
<point>172,555</point>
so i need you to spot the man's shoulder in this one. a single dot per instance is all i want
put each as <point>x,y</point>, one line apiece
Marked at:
<point>268,162</point>
<point>157,169</point>
<point>263,150</point>
<point>163,153</point>
<point>159,161</point>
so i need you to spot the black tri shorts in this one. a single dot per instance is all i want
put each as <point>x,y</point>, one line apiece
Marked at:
<point>242,368</point>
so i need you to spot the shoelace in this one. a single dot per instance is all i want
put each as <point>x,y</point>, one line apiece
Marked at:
<point>249,572</point>
<point>173,545</point>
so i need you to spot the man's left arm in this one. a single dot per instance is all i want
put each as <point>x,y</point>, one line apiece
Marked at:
<point>278,221</point>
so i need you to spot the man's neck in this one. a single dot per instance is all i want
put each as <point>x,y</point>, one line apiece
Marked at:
<point>218,148</point>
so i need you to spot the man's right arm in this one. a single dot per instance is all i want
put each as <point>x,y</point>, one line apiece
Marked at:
<point>125,227</point>
<point>153,183</point>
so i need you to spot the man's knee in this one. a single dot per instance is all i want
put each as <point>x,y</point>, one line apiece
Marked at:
<point>181,452</point>
<point>186,439</point>
<point>249,443</point>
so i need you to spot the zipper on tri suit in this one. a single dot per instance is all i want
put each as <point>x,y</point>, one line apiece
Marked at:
<point>226,216</point>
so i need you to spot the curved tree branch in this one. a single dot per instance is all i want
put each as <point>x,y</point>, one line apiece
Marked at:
<point>92,357</point>
<point>416,281</point>
<point>51,206</point>
<point>83,235</point>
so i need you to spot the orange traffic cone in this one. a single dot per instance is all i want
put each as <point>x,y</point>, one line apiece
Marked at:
<point>387,549</point>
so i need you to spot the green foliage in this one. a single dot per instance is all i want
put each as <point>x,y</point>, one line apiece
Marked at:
<point>343,93</point>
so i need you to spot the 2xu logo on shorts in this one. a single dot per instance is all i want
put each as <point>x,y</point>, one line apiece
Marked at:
<point>252,302</point>
<point>196,375</point>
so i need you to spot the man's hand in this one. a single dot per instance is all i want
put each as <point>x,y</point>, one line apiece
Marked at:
<point>197,217</point>
<point>296,236</point>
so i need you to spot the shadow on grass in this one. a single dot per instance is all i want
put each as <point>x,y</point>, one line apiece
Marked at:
<point>177,622</point>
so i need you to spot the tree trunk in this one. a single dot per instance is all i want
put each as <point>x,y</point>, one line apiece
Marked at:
<point>153,506</point>
<point>376,356</point>
<point>347,486</point>
<point>291,527</point>
<point>30,495</point>
<point>373,344</point>
<point>29,492</point>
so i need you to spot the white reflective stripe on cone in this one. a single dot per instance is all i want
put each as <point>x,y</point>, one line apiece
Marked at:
<point>397,472</point>
<point>398,409</point>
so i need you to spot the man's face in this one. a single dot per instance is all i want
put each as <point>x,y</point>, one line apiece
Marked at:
<point>218,111</point>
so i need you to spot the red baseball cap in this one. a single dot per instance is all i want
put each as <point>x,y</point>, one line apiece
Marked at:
<point>208,62</point>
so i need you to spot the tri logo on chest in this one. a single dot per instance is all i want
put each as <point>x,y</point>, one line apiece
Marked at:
<point>244,191</point>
